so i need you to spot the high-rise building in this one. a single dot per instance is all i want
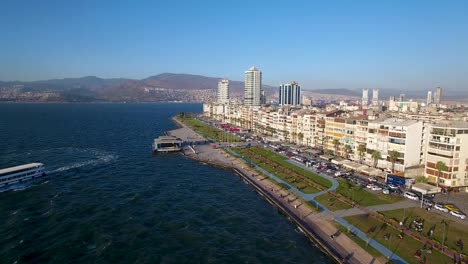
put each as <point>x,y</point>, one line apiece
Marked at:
<point>253,87</point>
<point>290,94</point>
<point>223,91</point>
<point>429,98</point>
<point>375,97</point>
<point>438,96</point>
<point>402,97</point>
<point>365,97</point>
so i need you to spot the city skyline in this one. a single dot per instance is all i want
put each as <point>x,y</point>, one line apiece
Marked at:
<point>397,45</point>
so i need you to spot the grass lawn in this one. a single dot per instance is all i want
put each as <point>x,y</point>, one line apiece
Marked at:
<point>454,231</point>
<point>405,247</point>
<point>281,160</point>
<point>208,131</point>
<point>331,203</point>
<point>374,252</point>
<point>362,196</point>
<point>305,188</point>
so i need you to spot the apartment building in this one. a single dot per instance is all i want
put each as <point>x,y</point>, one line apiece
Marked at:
<point>447,142</point>
<point>402,136</point>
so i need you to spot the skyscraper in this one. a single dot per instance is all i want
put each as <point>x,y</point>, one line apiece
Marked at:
<point>375,97</point>
<point>253,87</point>
<point>223,91</point>
<point>365,97</point>
<point>290,94</point>
<point>438,96</point>
<point>429,98</point>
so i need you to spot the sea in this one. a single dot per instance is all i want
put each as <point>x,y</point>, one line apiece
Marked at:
<point>109,200</point>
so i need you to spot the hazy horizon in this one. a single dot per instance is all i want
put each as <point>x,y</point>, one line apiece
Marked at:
<point>398,45</point>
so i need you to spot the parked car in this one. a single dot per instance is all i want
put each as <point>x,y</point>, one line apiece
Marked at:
<point>370,186</point>
<point>376,188</point>
<point>451,207</point>
<point>411,196</point>
<point>458,214</point>
<point>386,191</point>
<point>428,202</point>
<point>372,179</point>
<point>441,207</point>
<point>392,186</point>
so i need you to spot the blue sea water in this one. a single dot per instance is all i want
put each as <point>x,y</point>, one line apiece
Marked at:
<point>108,200</point>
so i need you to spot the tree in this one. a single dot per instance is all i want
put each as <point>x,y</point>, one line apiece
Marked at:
<point>421,179</point>
<point>440,166</point>
<point>376,156</point>
<point>348,150</point>
<point>286,135</point>
<point>393,157</point>
<point>336,145</point>
<point>361,151</point>
<point>324,142</point>
<point>300,136</point>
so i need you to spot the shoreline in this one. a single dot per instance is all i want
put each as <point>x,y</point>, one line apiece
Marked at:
<point>320,232</point>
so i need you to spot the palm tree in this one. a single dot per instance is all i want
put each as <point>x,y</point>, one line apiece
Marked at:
<point>286,135</point>
<point>440,166</point>
<point>324,141</point>
<point>300,136</point>
<point>336,144</point>
<point>348,150</point>
<point>393,157</point>
<point>376,156</point>
<point>361,150</point>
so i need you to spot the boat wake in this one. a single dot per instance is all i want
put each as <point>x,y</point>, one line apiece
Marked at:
<point>98,160</point>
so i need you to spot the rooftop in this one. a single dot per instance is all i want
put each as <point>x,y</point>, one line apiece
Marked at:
<point>21,167</point>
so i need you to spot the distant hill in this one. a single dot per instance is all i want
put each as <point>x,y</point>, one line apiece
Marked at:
<point>153,88</point>
<point>182,81</point>
<point>335,91</point>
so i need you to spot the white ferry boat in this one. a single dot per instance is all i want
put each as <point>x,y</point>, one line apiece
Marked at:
<point>18,174</point>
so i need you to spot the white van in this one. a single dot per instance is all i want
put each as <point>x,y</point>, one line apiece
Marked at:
<point>411,196</point>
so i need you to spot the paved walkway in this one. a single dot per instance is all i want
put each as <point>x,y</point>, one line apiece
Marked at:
<point>327,214</point>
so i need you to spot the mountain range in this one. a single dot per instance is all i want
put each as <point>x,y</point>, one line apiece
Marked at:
<point>157,88</point>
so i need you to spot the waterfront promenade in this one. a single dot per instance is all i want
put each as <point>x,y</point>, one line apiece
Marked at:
<point>320,228</point>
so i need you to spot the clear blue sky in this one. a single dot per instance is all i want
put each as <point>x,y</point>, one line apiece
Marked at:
<point>322,44</point>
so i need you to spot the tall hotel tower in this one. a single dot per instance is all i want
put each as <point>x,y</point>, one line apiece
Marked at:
<point>429,98</point>
<point>290,94</point>
<point>375,97</point>
<point>365,97</point>
<point>438,96</point>
<point>253,87</point>
<point>223,91</point>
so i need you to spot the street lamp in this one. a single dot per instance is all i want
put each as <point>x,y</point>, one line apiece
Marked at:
<point>445,229</point>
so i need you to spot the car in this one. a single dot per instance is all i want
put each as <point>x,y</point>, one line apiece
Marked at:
<point>411,196</point>
<point>337,174</point>
<point>451,207</point>
<point>458,214</point>
<point>372,179</point>
<point>376,188</point>
<point>428,202</point>
<point>392,186</point>
<point>386,191</point>
<point>329,171</point>
<point>370,186</point>
<point>441,207</point>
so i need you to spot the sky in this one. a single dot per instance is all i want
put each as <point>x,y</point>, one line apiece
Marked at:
<point>406,45</point>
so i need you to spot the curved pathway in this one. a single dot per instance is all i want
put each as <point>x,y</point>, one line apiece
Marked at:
<point>311,198</point>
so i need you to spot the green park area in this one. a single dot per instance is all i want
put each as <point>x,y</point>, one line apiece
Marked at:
<point>436,227</point>
<point>363,197</point>
<point>287,177</point>
<point>281,162</point>
<point>208,131</point>
<point>405,246</point>
<point>331,202</point>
